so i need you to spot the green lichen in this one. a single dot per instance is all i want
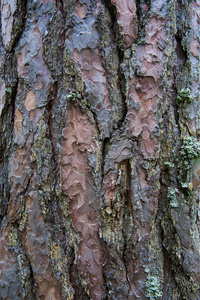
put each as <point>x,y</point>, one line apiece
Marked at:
<point>169,164</point>
<point>185,96</point>
<point>153,286</point>
<point>154,269</point>
<point>172,196</point>
<point>189,150</point>
<point>73,96</point>
<point>8,90</point>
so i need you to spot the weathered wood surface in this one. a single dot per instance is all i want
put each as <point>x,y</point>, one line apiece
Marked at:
<point>99,150</point>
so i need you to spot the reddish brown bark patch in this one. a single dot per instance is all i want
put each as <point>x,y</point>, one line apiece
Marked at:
<point>126,15</point>
<point>78,185</point>
<point>36,242</point>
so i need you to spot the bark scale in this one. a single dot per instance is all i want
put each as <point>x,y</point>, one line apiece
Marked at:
<point>100,151</point>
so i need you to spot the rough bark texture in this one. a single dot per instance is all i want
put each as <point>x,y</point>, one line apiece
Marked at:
<point>99,151</point>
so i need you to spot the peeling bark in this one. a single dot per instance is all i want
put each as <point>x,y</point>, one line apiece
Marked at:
<point>100,150</point>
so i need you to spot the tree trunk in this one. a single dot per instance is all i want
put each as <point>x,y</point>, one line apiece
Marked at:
<point>100,158</point>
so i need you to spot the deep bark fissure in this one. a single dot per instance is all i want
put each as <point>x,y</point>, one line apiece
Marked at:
<point>182,54</point>
<point>142,8</point>
<point>57,216</point>
<point>105,287</point>
<point>32,281</point>
<point>166,263</point>
<point>1,38</point>
<point>13,100</point>
<point>112,12</point>
<point>122,84</point>
<point>26,274</point>
<point>94,119</point>
<point>51,117</point>
<point>19,23</point>
<point>75,279</point>
<point>176,108</point>
<point>60,7</point>
<point>104,151</point>
<point>7,123</point>
<point>127,211</point>
<point>114,27</point>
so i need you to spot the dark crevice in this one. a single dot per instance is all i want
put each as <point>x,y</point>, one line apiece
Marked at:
<point>56,217</point>
<point>9,70</point>
<point>60,7</point>
<point>105,148</point>
<point>126,268</point>
<point>33,290</point>
<point>13,98</point>
<point>122,84</point>
<point>174,273</point>
<point>25,271</point>
<point>1,37</point>
<point>50,108</point>
<point>95,120</point>
<point>126,194</point>
<point>53,43</point>
<point>183,24</point>
<point>113,16</point>
<point>182,55</point>
<point>75,280</point>
<point>105,254</point>
<point>19,21</point>
<point>166,263</point>
<point>120,49</point>
<point>142,9</point>
<point>173,103</point>
<point>6,127</point>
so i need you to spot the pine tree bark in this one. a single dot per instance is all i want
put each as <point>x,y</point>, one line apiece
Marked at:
<point>100,151</point>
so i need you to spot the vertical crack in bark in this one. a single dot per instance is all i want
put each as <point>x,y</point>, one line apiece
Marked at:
<point>56,210</point>
<point>13,100</point>
<point>19,23</point>
<point>182,55</point>
<point>126,189</point>
<point>75,279</point>
<point>142,8</point>
<point>120,49</point>
<point>122,84</point>
<point>60,7</point>
<point>52,100</point>
<point>181,60</point>
<point>95,121</point>
<point>166,264</point>
<point>25,270</point>
<point>30,284</point>
<point>105,146</point>
<point>53,45</point>
<point>7,124</point>
<point>32,281</point>
<point>176,112</point>
<point>118,40</point>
